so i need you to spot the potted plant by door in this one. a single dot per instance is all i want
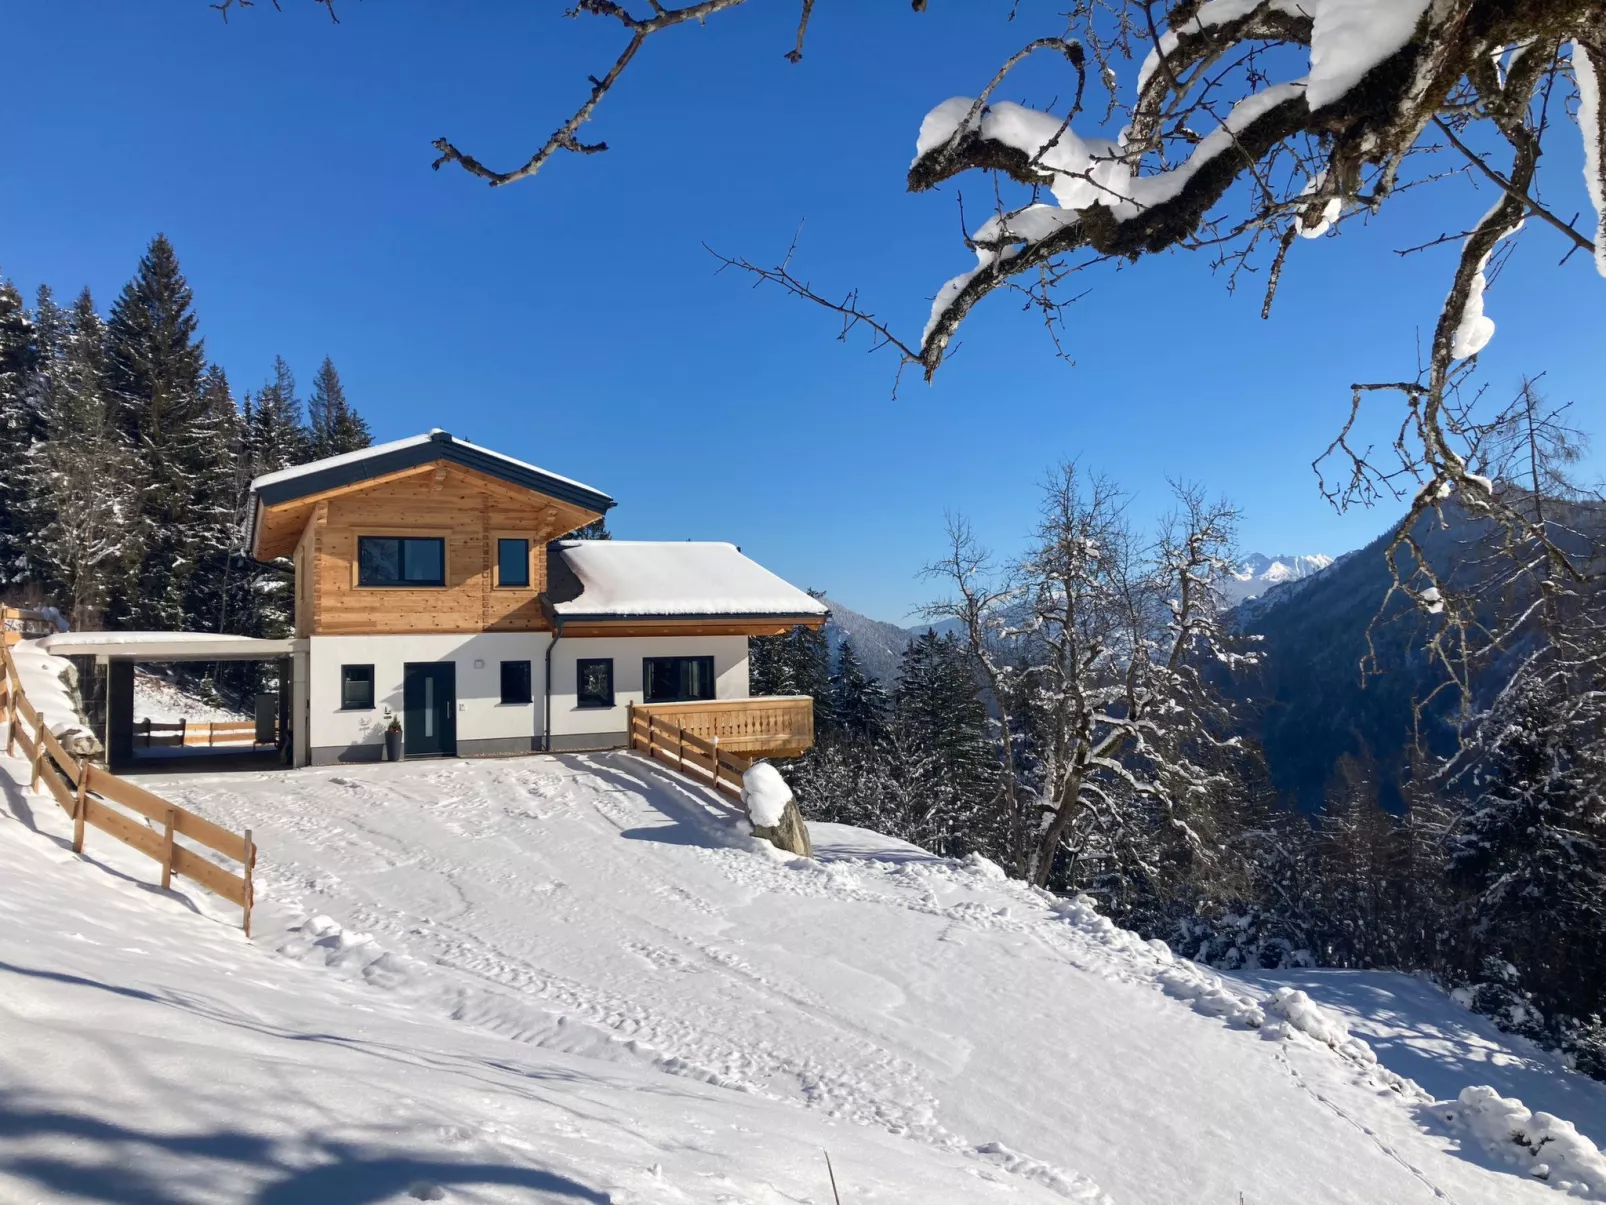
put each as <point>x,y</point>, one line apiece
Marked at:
<point>393,739</point>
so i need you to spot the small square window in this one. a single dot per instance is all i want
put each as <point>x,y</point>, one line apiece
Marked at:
<point>516,682</point>
<point>513,563</point>
<point>594,682</point>
<point>356,688</point>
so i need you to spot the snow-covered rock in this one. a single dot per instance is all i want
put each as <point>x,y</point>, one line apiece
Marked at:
<point>50,685</point>
<point>773,810</point>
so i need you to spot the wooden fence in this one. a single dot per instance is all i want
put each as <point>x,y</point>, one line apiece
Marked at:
<point>701,758</point>
<point>766,726</point>
<point>197,733</point>
<point>85,792</point>
<point>15,624</point>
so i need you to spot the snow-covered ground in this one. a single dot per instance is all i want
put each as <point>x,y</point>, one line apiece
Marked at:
<point>576,979</point>
<point>166,701</point>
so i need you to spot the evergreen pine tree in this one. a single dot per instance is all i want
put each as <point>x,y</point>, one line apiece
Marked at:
<point>214,602</point>
<point>334,427</point>
<point>18,430</point>
<point>1531,849</point>
<point>938,704</point>
<point>153,377</point>
<point>858,702</point>
<point>795,663</point>
<point>85,477</point>
<point>154,360</point>
<point>275,436</point>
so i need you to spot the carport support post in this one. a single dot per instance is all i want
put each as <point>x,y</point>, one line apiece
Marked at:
<point>119,712</point>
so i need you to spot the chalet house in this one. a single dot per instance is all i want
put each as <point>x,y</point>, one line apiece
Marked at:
<point>433,584</point>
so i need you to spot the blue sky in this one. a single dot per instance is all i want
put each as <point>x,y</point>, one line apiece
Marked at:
<point>576,320</point>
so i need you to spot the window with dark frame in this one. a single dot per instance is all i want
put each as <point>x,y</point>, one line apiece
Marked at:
<point>677,679</point>
<point>516,682</point>
<point>513,563</point>
<point>594,682</point>
<point>356,688</point>
<point>401,561</point>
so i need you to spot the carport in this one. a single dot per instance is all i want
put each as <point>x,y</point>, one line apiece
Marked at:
<point>106,663</point>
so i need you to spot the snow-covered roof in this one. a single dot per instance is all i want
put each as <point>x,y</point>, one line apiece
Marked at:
<point>614,579</point>
<point>162,646</point>
<point>436,435</point>
<point>333,472</point>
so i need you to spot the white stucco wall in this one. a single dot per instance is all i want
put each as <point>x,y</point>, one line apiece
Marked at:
<point>481,714</point>
<point>568,719</point>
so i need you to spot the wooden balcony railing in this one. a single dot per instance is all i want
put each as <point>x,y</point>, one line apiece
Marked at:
<point>765,726</point>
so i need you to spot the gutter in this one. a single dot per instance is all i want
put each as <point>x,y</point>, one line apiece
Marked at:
<point>546,678</point>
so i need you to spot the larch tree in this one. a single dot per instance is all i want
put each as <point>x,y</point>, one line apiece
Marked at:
<point>1100,652</point>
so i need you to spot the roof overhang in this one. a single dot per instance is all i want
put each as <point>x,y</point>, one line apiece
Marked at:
<point>582,626</point>
<point>353,471</point>
<point>164,646</point>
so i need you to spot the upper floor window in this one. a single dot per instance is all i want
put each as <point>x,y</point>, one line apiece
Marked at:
<point>401,561</point>
<point>513,563</point>
<point>676,679</point>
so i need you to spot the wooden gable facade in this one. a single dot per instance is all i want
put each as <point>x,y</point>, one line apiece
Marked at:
<point>467,508</point>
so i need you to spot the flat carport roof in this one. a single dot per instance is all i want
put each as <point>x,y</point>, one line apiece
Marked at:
<point>164,646</point>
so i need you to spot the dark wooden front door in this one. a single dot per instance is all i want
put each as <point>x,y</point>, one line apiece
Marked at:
<point>429,708</point>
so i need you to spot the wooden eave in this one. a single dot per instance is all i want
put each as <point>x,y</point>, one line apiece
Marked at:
<point>581,626</point>
<point>277,529</point>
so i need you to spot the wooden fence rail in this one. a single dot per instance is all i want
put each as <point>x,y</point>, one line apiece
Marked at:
<point>85,792</point>
<point>666,741</point>
<point>15,624</point>
<point>184,732</point>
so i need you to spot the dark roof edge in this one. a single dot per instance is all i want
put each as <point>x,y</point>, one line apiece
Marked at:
<point>440,446</point>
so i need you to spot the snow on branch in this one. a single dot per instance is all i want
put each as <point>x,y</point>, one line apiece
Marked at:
<point>1589,64</point>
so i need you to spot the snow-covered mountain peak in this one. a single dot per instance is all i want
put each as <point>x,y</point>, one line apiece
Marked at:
<point>1258,573</point>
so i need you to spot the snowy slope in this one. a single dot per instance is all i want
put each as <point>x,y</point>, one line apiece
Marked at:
<point>879,645</point>
<point>167,700</point>
<point>569,972</point>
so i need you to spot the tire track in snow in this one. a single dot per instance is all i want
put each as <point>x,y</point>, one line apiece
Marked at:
<point>456,956</point>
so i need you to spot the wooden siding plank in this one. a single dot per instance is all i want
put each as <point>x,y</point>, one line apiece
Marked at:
<point>465,510</point>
